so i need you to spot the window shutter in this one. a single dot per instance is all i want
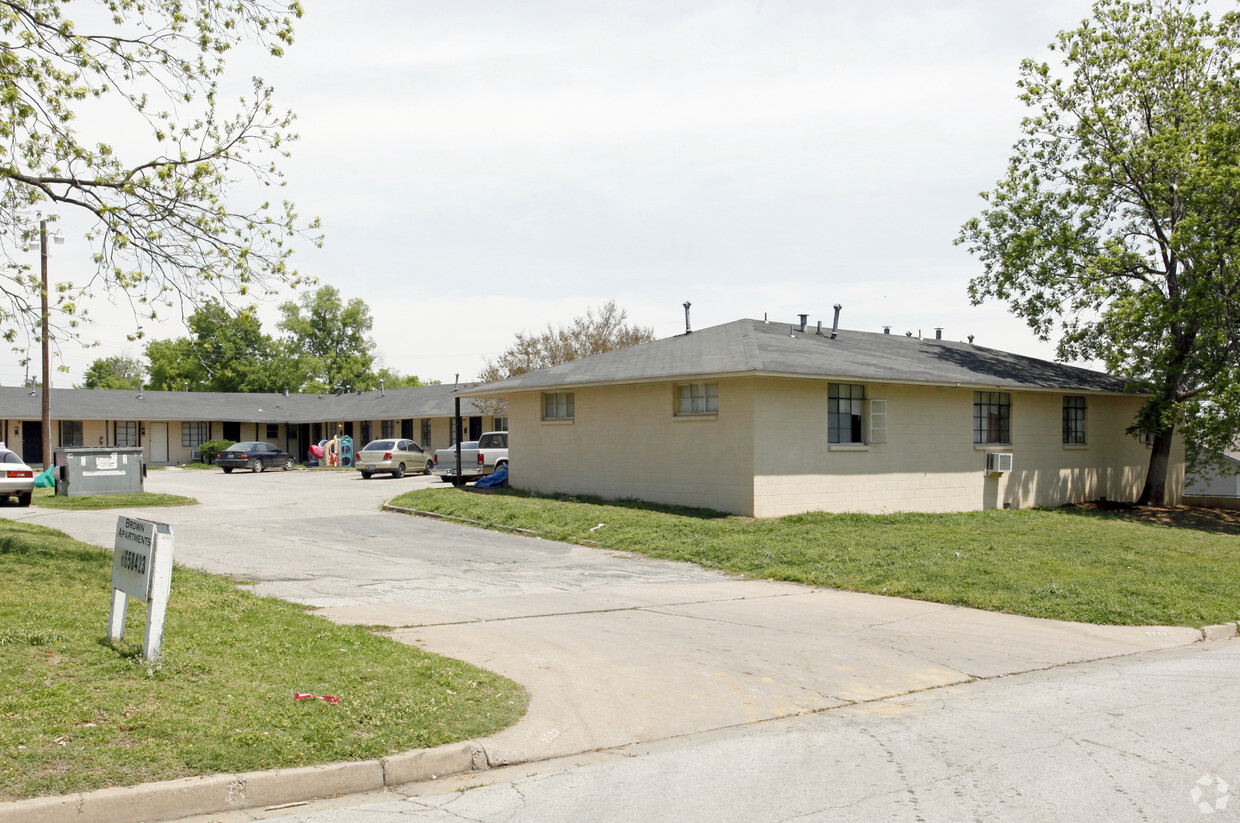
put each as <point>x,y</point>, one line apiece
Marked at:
<point>878,421</point>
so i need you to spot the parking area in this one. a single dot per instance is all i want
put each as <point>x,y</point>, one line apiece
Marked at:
<point>615,649</point>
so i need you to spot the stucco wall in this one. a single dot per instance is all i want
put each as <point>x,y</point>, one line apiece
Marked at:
<point>929,462</point>
<point>625,442</point>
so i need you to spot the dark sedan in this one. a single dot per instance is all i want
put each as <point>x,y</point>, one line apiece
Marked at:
<point>253,456</point>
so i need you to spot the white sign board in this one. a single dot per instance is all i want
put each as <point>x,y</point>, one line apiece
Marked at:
<point>141,568</point>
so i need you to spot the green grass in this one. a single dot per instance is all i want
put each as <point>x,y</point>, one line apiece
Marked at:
<point>1078,564</point>
<point>78,713</point>
<point>194,466</point>
<point>48,499</point>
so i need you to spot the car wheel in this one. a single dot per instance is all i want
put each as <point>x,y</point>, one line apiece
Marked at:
<point>365,475</point>
<point>289,465</point>
<point>256,466</point>
<point>503,464</point>
<point>447,478</point>
<point>24,499</point>
<point>227,469</point>
<point>400,471</point>
<point>430,465</point>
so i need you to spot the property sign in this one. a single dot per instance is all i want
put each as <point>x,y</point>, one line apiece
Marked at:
<point>141,568</point>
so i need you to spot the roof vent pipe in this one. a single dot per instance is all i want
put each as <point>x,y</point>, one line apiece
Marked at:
<point>140,387</point>
<point>886,329</point>
<point>970,338</point>
<point>382,391</point>
<point>938,332</point>
<point>187,385</point>
<point>688,328</point>
<point>835,327</point>
<point>804,320</point>
<point>286,391</point>
<point>819,332</point>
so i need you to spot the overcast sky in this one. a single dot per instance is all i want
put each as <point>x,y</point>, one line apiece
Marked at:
<point>483,168</point>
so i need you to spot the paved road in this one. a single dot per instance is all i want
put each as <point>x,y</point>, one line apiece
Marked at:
<point>1151,737</point>
<point>615,650</point>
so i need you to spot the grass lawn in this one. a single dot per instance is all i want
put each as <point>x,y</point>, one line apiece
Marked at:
<point>48,499</point>
<point>1133,567</point>
<point>78,713</point>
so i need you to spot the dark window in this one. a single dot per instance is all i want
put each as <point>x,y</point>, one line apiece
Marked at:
<point>126,433</point>
<point>992,417</point>
<point>70,432</point>
<point>1074,420</point>
<point>273,431</point>
<point>426,433</point>
<point>232,431</point>
<point>845,410</point>
<point>193,434</point>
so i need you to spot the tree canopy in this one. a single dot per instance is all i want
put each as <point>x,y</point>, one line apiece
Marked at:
<point>1115,228</point>
<point>116,372</point>
<point>597,331</point>
<point>332,339</point>
<point>226,351</point>
<point>325,347</point>
<point>172,182</point>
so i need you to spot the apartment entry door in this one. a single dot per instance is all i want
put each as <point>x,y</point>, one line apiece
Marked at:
<point>158,435</point>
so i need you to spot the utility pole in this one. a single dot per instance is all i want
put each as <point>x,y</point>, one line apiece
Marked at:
<point>47,353</point>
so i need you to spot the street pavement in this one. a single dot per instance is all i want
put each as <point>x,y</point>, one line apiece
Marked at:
<point>1150,737</point>
<point>616,650</point>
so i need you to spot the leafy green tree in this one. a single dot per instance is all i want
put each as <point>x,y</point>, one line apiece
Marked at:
<point>1116,226</point>
<point>595,332</point>
<point>171,211</point>
<point>115,372</point>
<point>225,352</point>
<point>332,340</point>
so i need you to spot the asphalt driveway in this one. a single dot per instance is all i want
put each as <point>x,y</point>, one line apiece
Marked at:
<point>615,649</point>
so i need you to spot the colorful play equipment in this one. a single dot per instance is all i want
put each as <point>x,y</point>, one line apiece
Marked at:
<point>346,451</point>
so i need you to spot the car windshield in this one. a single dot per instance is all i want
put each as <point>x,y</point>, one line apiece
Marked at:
<point>380,446</point>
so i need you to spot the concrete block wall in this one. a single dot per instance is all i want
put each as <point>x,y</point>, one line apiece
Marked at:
<point>626,442</point>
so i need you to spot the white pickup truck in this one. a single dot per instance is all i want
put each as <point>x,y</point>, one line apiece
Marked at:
<point>478,458</point>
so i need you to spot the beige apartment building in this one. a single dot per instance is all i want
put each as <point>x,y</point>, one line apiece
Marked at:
<point>768,419</point>
<point>170,426</point>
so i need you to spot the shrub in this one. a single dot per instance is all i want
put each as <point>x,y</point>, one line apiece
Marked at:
<point>211,449</point>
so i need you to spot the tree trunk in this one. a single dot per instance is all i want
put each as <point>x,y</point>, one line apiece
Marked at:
<point>1155,491</point>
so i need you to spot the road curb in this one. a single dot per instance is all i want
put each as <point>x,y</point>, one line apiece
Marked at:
<point>213,794</point>
<point>1222,631</point>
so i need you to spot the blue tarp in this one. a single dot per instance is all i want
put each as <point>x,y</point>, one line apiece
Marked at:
<point>499,480</point>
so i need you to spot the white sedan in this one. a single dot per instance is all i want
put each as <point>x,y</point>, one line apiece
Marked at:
<point>16,478</point>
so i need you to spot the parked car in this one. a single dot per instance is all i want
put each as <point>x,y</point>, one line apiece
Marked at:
<point>478,458</point>
<point>255,456</point>
<point>16,478</point>
<point>396,457</point>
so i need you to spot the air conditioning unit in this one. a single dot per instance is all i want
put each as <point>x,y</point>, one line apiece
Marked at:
<point>998,462</point>
<point>195,455</point>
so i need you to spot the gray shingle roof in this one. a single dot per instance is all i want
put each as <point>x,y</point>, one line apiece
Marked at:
<point>761,348</point>
<point>18,403</point>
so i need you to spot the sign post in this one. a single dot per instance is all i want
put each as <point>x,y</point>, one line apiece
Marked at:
<point>141,568</point>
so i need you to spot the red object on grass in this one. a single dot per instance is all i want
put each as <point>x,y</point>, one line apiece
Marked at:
<point>326,698</point>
